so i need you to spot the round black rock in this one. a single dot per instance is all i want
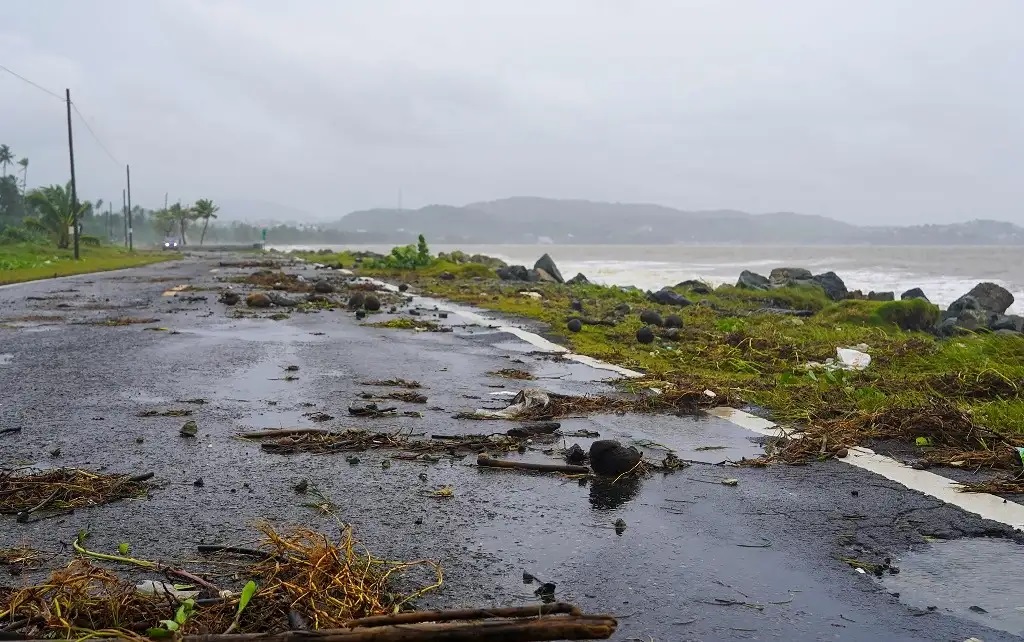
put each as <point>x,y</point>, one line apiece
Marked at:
<point>323,287</point>
<point>673,321</point>
<point>360,314</point>
<point>356,301</point>
<point>403,287</point>
<point>650,317</point>
<point>576,305</point>
<point>610,458</point>
<point>645,335</point>
<point>371,303</point>
<point>574,325</point>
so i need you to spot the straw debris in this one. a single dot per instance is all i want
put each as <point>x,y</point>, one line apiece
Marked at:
<point>65,488</point>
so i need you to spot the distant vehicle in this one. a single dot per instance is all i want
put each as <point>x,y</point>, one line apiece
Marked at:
<point>170,243</point>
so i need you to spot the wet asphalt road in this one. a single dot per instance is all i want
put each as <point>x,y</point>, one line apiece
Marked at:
<point>698,560</point>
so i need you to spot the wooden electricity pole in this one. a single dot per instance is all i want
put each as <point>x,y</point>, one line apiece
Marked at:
<point>74,193</point>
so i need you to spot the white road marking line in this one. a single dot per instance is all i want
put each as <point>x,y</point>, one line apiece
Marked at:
<point>983,504</point>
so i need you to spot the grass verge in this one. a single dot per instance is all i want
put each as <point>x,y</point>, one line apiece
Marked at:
<point>26,262</point>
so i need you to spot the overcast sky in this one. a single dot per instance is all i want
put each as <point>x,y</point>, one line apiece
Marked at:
<point>873,111</point>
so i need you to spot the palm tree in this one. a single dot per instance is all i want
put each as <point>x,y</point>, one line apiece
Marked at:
<point>6,158</point>
<point>52,206</point>
<point>205,209</point>
<point>24,175</point>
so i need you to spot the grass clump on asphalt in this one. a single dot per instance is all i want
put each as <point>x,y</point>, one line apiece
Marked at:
<point>30,262</point>
<point>406,323</point>
<point>65,488</point>
<point>299,575</point>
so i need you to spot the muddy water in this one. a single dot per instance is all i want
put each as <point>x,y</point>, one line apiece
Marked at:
<point>978,579</point>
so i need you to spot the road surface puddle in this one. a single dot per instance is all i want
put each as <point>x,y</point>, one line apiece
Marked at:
<point>976,579</point>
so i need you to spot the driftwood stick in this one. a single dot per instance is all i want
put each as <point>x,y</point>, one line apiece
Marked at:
<point>584,627</point>
<point>534,428</point>
<point>484,460</point>
<point>284,432</point>
<point>212,589</point>
<point>413,617</point>
<point>237,550</point>
<point>6,431</point>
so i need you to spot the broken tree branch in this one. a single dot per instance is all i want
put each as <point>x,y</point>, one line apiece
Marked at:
<point>414,617</point>
<point>486,461</point>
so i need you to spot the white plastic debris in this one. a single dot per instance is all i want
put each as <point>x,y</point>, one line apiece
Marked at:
<point>151,587</point>
<point>532,295</point>
<point>526,399</point>
<point>851,359</point>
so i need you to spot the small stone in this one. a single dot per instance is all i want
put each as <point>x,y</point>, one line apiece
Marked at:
<point>257,300</point>
<point>977,609</point>
<point>356,301</point>
<point>419,521</point>
<point>855,493</point>
<point>576,305</point>
<point>189,429</point>
<point>385,464</point>
<point>622,308</point>
<point>423,477</point>
<point>447,276</point>
<point>371,303</point>
<point>403,287</point>
<point>301,487</point>
<point>55,452</point>
<point>575,455</point>
<point>645,335</point>
<point>291,368</point>
<point>620,526</point>
<point>650,317</point>
<point>673,321</point>
<point>199,483</point>
<point>920,464</point>
<point>229,298</point>
<point>139,440</point>
<point>842,453</point>
<point>360,314</point>
<point>352,460</point>
<point>672,334</point>
<point>574,325</point>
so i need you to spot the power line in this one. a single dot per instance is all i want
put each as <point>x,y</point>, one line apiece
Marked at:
<point>94,136</point>
<point>36,85</point>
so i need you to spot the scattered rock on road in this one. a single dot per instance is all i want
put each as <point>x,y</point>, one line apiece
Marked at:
<point>371,303</point>
<point>257,300</point>
<point>323,287</point>
<point>230,297</point>
<point>356,301</point>
<point>610,458</point>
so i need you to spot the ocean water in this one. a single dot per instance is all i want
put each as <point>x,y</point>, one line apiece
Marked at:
<point>944,273</point>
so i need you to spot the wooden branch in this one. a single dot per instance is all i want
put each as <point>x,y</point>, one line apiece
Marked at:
<point>413,617</point>
<point>572,627</point>
<point>484,460</point>
<point>534,429</point>
<point>182,574</point>
<point>284,432</point>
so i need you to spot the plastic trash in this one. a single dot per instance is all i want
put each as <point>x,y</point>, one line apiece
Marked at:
<point>152,587</point>
<point>851,359</point>
<point>526,399</point>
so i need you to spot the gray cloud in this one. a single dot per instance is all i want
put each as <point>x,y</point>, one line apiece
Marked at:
<point>869,111</point>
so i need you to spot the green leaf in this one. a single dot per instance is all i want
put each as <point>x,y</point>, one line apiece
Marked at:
<point>170,625</point>
<point>811,375</point>
<point>184,611</point>
<point>124,548</point>
<point>247,592</point>
<point>923,441</point>
<point>1020,453</point>
<point>157,632</point>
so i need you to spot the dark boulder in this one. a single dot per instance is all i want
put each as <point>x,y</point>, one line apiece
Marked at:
<point>695,286</point>
<point>913,293</point>
<point>446,276</point>
<point>404,287</point>
<point>489,261</point>
<point>1008,322</point>
<point>574,325</point>
<point>576,305</point>
<point>323,287</point>
<point>230,298</point>
<point>752,281</point>
<point>668,296</point>
<point>992,298</point>
<point>912,315</point>
<point>881,296</point>
<point>547,264</point>
<point>360,314</point>
<point>609,458</point>
<point>542,276</point>
<point>513,273</point>
<point>785,277</point>
<point>673,321</point>
<point>371,302</point>
<point>672,334</point>
<point>645,335</point>
<point>622,308</point>
<point>575,455</point>
<point>579,279</point>
<point>313,297</point>
<point>833,286</point>
<point>650,317</point>
<point>356,301</point>
<point>282,300</point>
<point>966,303</point>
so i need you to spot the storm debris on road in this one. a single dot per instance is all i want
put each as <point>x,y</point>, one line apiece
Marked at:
<point>512,373</point>
<point>65,488</point>
<point>393,383</point>
<point>165,413</point>
<point>329,582</point>
<point>533,404</point>
<point>312,440</point>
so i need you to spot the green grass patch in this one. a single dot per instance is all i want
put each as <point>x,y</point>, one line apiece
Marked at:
<point>29,262</point>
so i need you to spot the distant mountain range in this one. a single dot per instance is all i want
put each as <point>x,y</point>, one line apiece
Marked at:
<point>530,220</point>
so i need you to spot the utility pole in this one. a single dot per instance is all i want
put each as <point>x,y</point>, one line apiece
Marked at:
<point>110,221</point>
<point>124,217</point>
<point>74,193</point>
<point>128,175</point>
